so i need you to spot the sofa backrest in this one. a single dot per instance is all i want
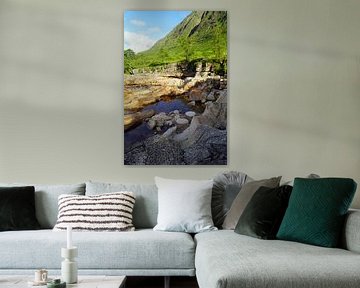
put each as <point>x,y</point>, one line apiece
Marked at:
<point>46,200</point>
<point>146,203</point>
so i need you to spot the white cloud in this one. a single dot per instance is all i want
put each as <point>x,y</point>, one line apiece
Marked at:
<point>136,22</point>
<point>137,42</point>
<point>154,30</point>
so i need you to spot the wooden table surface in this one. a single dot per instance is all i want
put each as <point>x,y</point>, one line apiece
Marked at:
<point>84,281</point>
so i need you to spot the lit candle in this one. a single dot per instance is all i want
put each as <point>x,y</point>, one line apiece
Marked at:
<point>69,237</point>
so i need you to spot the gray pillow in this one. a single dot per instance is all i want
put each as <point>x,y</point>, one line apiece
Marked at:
<point>310,176</point>
<point>184,205</point>
<point>46,200</point>
<point>226,187</point>
<point>146,206</point>
<point>243,198</point>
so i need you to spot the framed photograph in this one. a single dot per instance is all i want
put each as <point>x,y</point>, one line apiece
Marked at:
<point>175,87</point>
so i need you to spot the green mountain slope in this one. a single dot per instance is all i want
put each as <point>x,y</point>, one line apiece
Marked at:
<point>202,35</point>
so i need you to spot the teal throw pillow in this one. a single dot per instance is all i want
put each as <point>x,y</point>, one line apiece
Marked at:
<point>316,211</point>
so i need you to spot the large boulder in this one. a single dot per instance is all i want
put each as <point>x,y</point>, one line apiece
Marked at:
<point>207,145</point>
<point>142,90</point>
<point>135,119</point>
<point>156,150</point>
<point>215,115</point>
<point>161,119</point>
<point>197,94</point>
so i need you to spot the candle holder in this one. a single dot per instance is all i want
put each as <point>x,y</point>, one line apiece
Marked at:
<point>69,271</point>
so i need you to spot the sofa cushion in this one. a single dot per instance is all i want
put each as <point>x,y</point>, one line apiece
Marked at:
<point>46,200</point>
<point>184,205</point>
<point>291,182</point>
<point>17,208</point>
<point>225,259</point>
<point>243,198</point>
<point>225,189</point>
<point>142,249</point>
<point>350,239</point>
<point>263,215</point>
<point>146,205</point>
<point>317,209</point>
<point>105,212</point>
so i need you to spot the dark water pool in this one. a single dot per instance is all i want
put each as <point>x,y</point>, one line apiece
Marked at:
<point>142,132</point>
<point>168,106</point>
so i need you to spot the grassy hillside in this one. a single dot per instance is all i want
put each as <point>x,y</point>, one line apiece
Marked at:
<point>200,36</point>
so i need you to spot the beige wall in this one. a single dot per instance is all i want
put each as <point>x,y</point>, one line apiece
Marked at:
<point>294,89</point>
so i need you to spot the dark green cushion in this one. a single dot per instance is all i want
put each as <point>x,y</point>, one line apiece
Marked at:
<point>263,214</point>
<point>17,208</point>
<point>316,211</point>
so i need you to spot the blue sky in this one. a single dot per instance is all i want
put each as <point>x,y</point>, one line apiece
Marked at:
<point>143,28</point>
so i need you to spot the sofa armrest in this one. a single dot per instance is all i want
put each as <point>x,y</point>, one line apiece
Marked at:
<point>351,234</point>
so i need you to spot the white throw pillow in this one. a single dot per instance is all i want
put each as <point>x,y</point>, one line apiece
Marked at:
<point>184,205</point>
<point>104,212</point>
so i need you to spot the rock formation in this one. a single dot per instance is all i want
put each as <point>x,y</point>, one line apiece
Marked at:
<point>137,118</point>
<point>179,138</point>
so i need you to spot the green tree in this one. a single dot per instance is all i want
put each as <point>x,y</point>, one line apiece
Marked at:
<point>164,55</point>
<point>129,56</point>
<point>219,44</point>
<point>187,47</point>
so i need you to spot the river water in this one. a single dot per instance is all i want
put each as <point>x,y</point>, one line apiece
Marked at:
<point>142,131</point>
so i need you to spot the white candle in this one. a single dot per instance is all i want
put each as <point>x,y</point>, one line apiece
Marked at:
<point>69,237</point>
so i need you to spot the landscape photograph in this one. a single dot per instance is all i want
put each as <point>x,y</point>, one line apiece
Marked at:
<point>175,87</point>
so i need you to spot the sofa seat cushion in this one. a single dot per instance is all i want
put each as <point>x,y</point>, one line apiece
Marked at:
<point>226,259</point>
<point>142,249</point>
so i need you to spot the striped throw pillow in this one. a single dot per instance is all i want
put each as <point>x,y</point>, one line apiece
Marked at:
<point>105,212</point>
